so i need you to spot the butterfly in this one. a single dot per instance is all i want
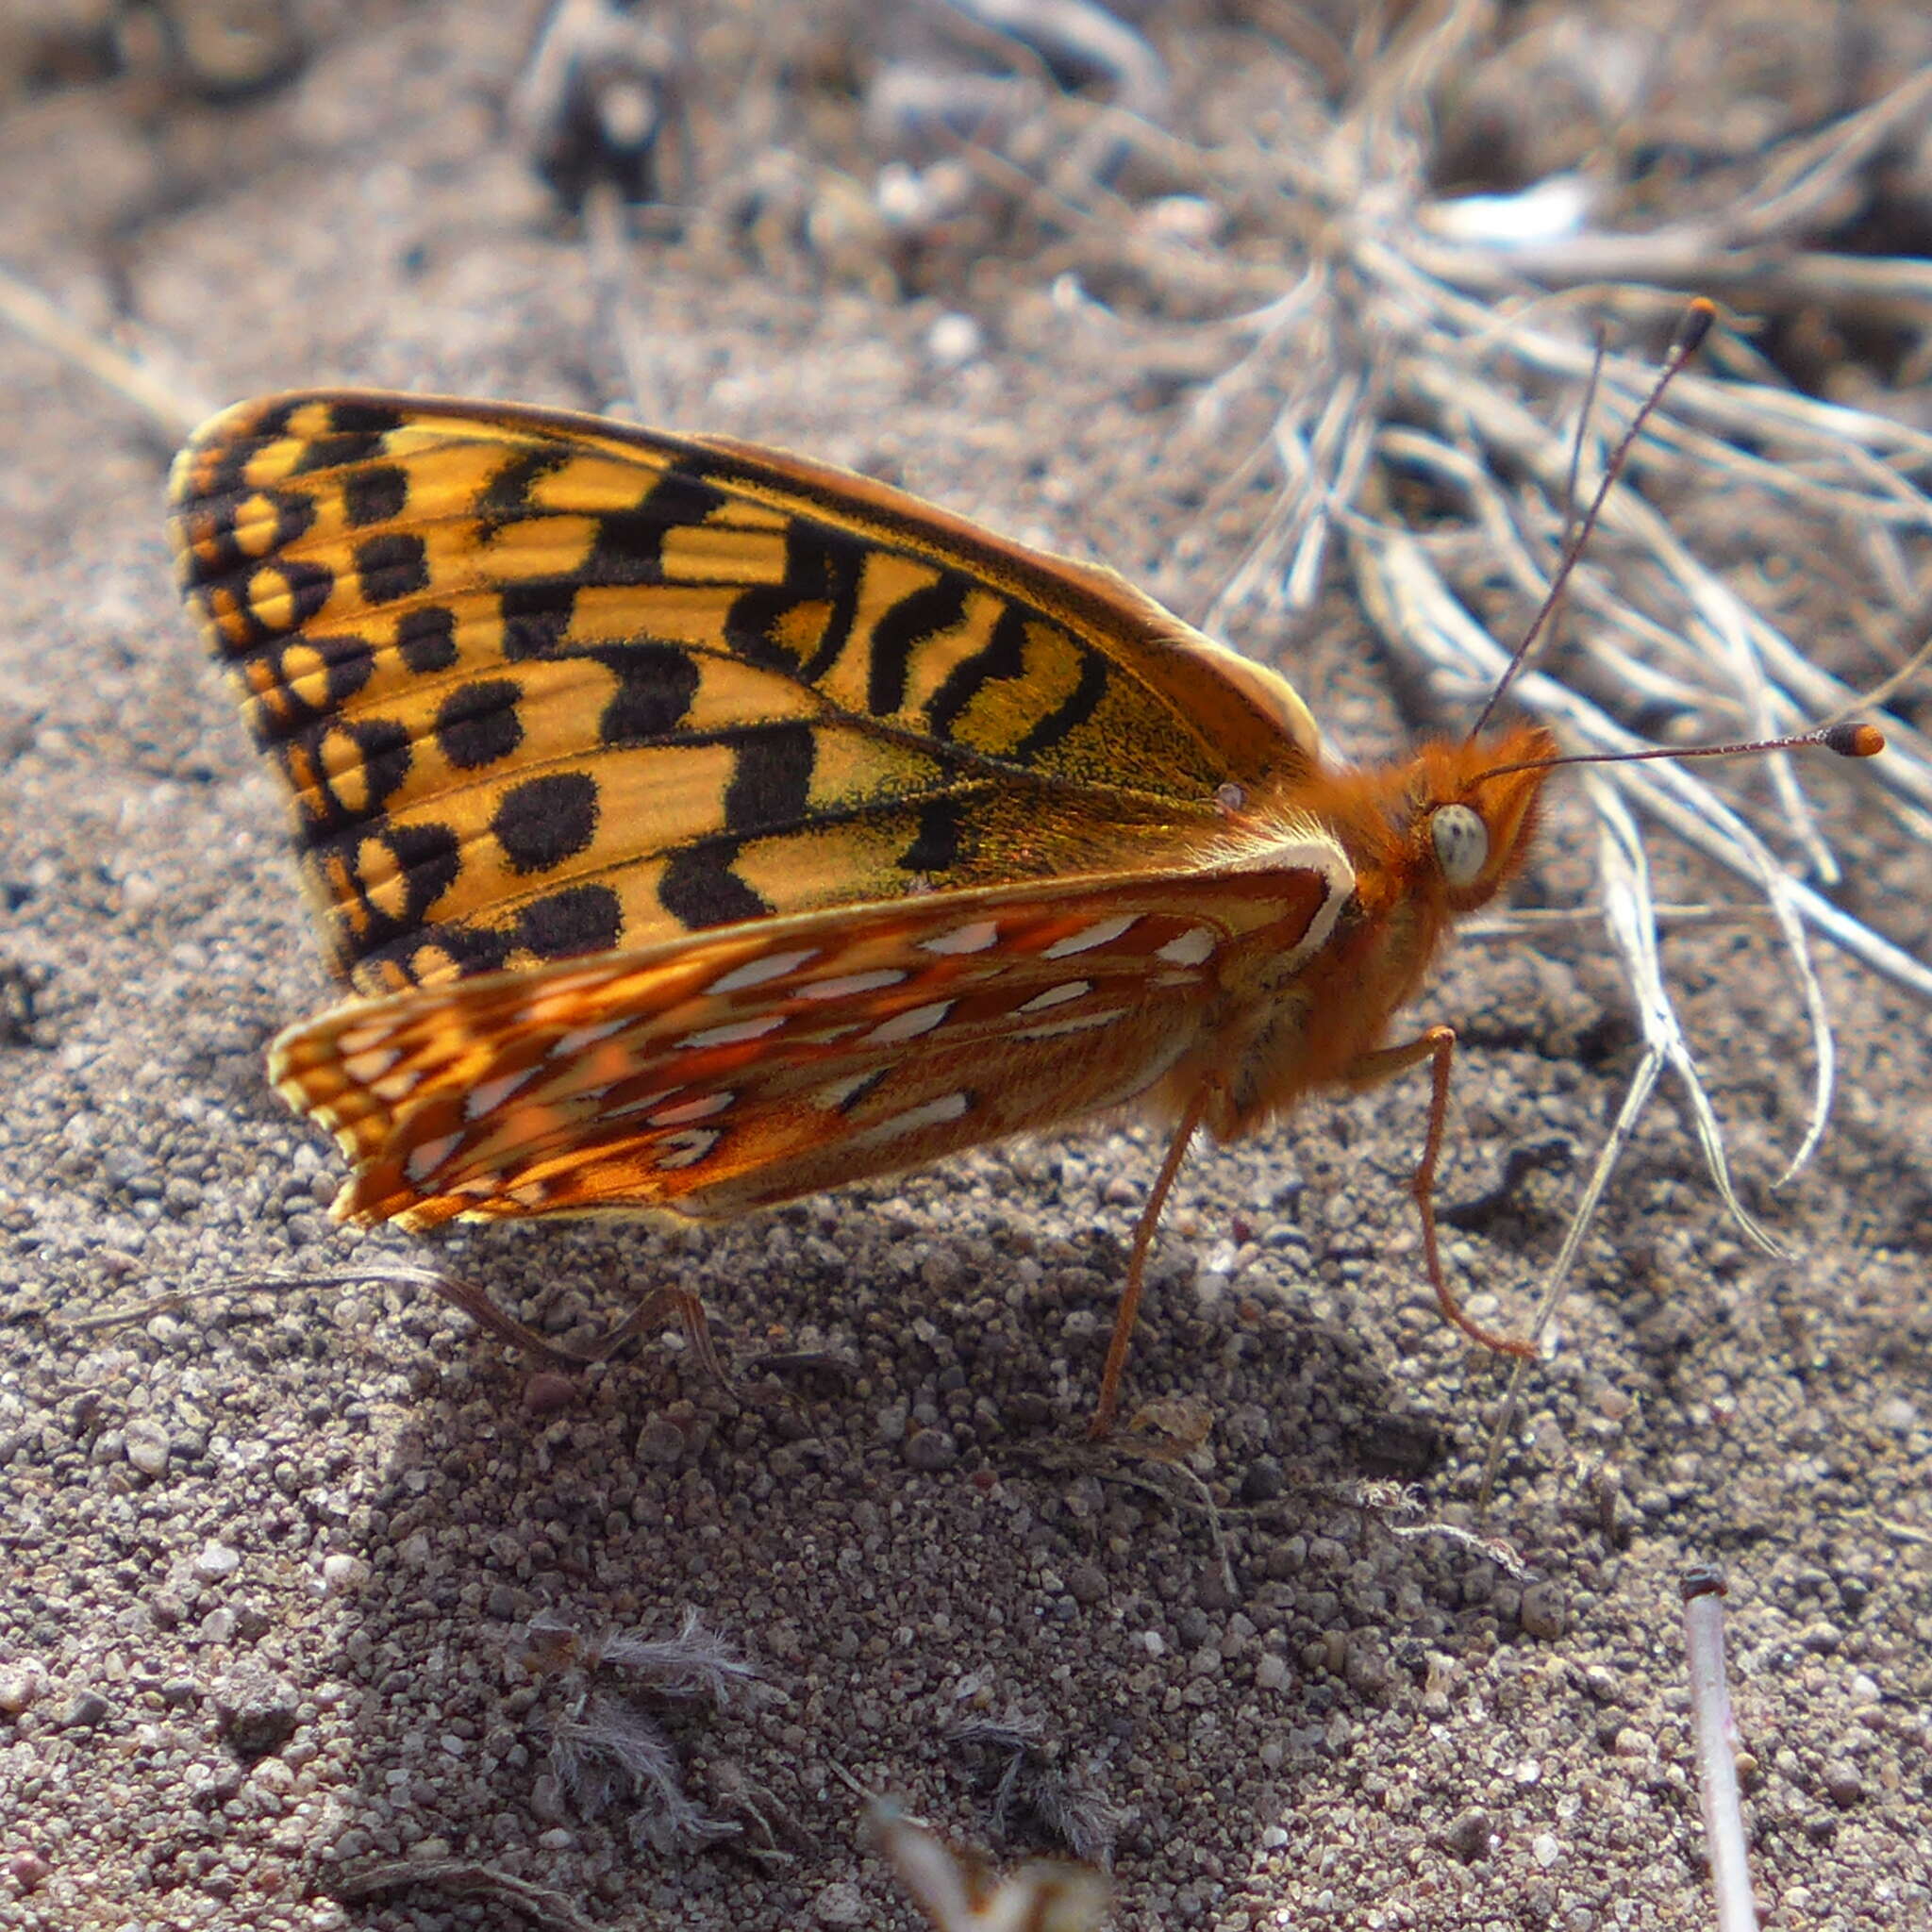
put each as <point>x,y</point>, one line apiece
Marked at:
<point>696,827</point>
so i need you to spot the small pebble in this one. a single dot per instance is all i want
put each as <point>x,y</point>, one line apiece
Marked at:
<point>841,1904</point>
<point>216,1561</point>
<point>931,1449</point>
<point>1087,1584</point>
<point>20,1686</point>
<point>342,1573</point>
<point>147,1446</point>
<point>85,1709</point>
<point>546,1392</point>
<point>29,1870</point>
<point>661,1443</point>
<point>1469,1836</point>
<point>254,1711</point>
<point>1541,1613</point>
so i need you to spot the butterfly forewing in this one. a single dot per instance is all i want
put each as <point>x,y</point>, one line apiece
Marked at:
<point>756,1063</point>
<point>545,686</point>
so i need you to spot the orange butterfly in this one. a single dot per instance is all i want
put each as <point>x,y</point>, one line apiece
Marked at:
<point>702,827</point>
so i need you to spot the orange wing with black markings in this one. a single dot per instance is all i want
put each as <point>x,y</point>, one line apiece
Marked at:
<point>544,685</point>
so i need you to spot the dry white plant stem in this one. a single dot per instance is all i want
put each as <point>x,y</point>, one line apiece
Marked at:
<point>1716,1743</point>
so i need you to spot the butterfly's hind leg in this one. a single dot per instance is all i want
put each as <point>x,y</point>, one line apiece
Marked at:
<point>1437,1046</point>
<point>482,1309</point>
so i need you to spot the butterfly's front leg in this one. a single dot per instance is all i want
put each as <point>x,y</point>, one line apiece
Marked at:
<point>1192,1116</point>
<point>1437,1046</point>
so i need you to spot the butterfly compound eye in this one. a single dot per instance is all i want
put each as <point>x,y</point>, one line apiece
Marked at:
<point>1463,843</point>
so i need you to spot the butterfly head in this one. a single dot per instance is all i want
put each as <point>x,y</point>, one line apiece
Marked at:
<point>1472,812</point>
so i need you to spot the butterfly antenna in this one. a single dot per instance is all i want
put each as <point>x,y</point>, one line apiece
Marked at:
<point>1849,739</point>
<point>1696,325</point>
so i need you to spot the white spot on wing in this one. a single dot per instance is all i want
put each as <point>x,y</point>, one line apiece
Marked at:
<point>973,938</point>
<point>488,1095</point>
<point>931,1113</point>
<point>426,1159</point>
<point>734,1030</point>
<point>850,984</point>
<point>356,1040</point>
<point>642,1104</point>
<point>368,1067</point>
<point>1103,933</point>
<point>566,1046</point>
<point>687,1150</point>
<point>836,1094</point>
<point>700,1109</point>
<point>908,1024</point>
<point>1057,995</point>
<point>1194,947</point>
<point>395,1087</point>
<point>755,972</point>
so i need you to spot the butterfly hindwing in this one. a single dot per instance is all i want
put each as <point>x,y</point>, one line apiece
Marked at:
<point>545,686</point>
<point>746,1066</point>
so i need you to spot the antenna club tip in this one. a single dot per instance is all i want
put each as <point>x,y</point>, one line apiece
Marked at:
<point>1700,318</point>
<point>1853,741</point>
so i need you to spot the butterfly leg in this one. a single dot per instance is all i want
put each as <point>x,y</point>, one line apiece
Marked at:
<point>1129,1308</point>
<point>476,1304</point>
<point>1437,1046</point>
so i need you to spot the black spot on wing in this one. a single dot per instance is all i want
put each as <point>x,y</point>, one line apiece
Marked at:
<point>505,497</point>
<point>375,494</point>
<point>699,889</point>
<point>391,566</point>
<point>478,724</point>
<point>936,846</point>
<point>392,894</point>
<point>381,766</point>
<point>581,919</point>
<point>822,569</point>
<point>347,663</point>
<point>355,435</point>
<point>473,949</point>
<point>544,821</point>
<point>826,564</point>
<point>386,750</point>
<point>294,516</point>
<point>427,640</point>
<point>656,684</point>
<point>536,619</point>
<point>348,417</point>
<point>771,779</point>
<point>1003,655</point>
<point>910,622</point>
<point>628,547</point>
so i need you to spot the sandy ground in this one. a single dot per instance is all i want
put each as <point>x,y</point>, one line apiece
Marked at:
<point>270,1554</point>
